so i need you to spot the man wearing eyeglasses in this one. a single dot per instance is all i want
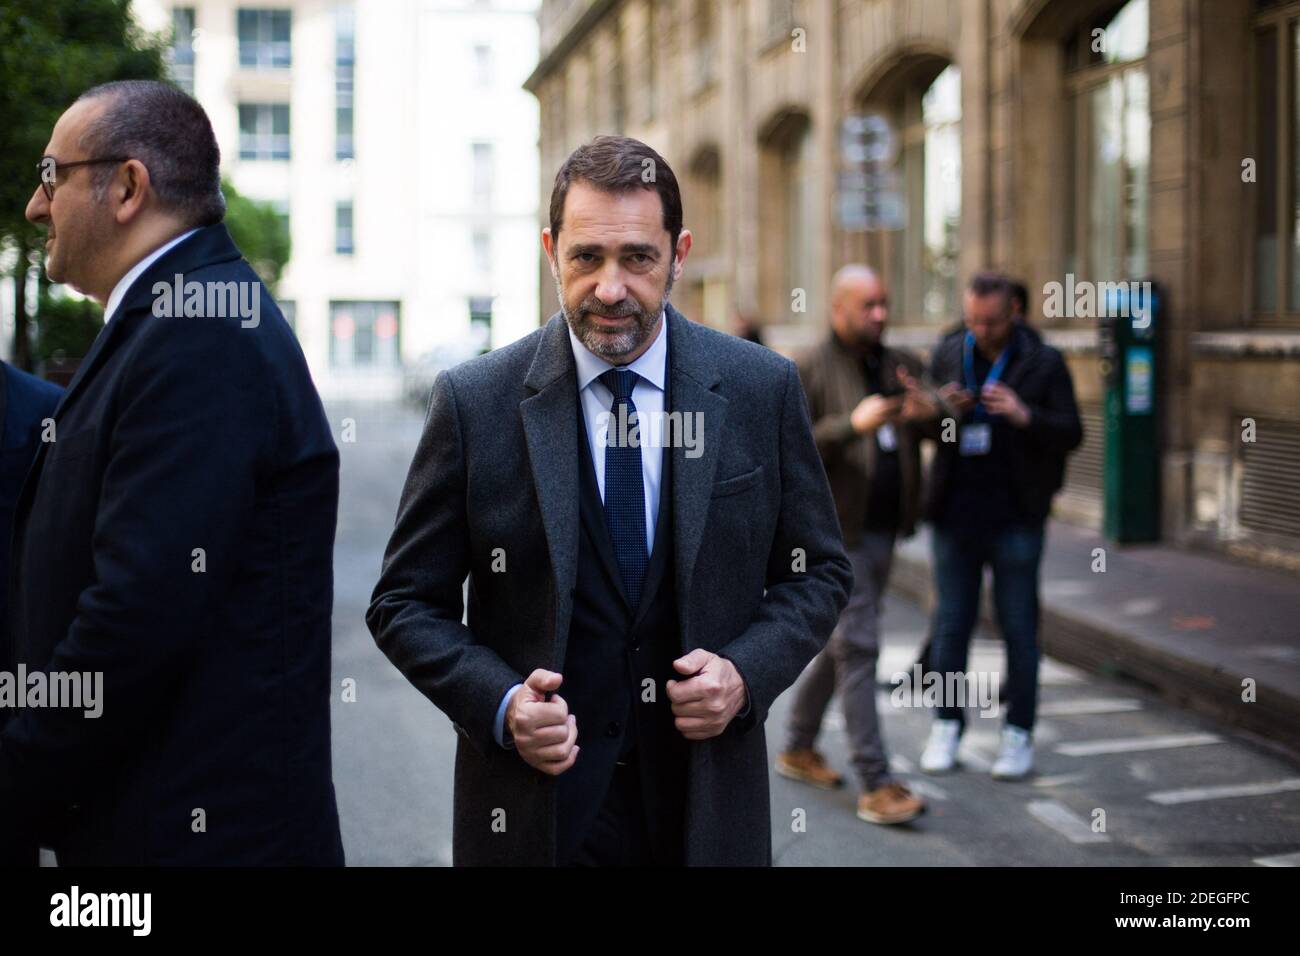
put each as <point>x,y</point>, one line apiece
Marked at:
<point>174,541</point>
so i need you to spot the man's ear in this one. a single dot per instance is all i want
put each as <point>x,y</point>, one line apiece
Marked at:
<point>551,248</point>
<point>684,240</point>
<point>129,190</point>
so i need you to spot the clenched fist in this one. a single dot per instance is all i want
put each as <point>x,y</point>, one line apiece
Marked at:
<point>544,732</point>
<point>711,695</point>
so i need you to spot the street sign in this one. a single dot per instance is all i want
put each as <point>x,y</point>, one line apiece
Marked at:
<point>868,193</point>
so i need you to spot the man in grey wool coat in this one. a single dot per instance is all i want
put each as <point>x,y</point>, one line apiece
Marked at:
<point>652,550</point>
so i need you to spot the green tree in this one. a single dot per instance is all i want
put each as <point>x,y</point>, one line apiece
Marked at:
<point>260,232</point>
<point>51,51</point>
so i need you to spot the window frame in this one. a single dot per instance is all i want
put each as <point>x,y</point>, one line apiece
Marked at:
<point>266,50</point>
<point>1080,83</point>
<point>1284,22</point>
<point>260,135</point>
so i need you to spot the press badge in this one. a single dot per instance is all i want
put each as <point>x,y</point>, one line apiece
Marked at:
<point>976,439</point>
<point>885,437</point>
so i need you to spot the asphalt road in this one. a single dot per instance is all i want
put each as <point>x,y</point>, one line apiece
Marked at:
<point>1174,788</point>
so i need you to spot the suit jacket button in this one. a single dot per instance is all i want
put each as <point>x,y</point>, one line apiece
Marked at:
<point>613,729</point>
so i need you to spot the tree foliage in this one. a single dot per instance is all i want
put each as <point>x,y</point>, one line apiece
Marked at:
<point>261,234</point>
<point>51,51</point>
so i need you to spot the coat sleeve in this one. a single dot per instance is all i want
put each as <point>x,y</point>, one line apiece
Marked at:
<point>1054,424</point>
<point>803,600</point>
<point>196,424</point>
<point>416,610</point>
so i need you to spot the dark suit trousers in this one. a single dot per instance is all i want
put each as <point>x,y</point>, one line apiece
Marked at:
<point>620,835</point>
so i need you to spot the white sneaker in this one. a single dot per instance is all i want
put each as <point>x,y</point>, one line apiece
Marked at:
<point>1016,757</point>
<point>940,752</point>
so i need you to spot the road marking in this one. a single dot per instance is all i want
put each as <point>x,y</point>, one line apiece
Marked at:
<point>1052,673</point>
<point>1286,859</point>
<point>1089,705</point>
<point>1124,745</point>
<point>974,759</point>
<point>1064,821</point>
<point>1193,794</point>
<point>1060,780</point>
<point>1139,607</point>
<point>927,789</point>
<point>899,764</point>
<point>1276,652</point>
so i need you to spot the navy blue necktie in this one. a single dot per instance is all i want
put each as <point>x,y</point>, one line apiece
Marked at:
<point>624,487</point>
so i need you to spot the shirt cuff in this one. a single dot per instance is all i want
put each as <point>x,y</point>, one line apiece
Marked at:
<point>499,725</point>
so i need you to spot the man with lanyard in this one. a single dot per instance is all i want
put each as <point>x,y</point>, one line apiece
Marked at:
<point>1011,420</point>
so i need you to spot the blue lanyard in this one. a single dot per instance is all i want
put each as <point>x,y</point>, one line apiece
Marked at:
<point>968,366</point>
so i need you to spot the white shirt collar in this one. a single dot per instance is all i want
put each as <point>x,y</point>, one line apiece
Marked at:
<point>650,364</point>
<point>137,270</point>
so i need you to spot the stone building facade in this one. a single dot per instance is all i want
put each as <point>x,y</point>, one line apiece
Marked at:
<point>1067,142</point>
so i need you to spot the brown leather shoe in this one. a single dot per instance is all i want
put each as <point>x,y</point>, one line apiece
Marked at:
<point>892,803</point>
<point>808,766</point>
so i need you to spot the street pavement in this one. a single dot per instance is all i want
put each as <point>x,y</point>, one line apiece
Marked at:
<point>1170,787</point>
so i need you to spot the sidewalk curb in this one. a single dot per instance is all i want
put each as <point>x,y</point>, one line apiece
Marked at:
<point>1211,691</point>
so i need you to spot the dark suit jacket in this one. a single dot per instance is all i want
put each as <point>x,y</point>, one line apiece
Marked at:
<point>1039,375</point>
<point>25,402</point>
<point>759,570</point>
<point>832,380</point>
<point>178,434</point>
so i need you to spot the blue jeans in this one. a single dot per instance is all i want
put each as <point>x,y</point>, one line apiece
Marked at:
<point>1014,553</point>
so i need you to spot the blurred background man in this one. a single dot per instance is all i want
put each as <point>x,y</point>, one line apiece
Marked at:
<point>863,400</point>
<point>1014,421</point>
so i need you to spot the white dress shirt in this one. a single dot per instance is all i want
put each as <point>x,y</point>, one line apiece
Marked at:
<point>137,270</point>
<point>647,396</point>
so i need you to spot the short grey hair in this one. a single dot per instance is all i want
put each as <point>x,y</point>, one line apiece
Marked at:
<point>166,130</point>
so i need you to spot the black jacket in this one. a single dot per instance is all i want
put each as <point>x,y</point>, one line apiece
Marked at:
<point>25,402</point>
<point>1039,375</point>
<point>178,537</point>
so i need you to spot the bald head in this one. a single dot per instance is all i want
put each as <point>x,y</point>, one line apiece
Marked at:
<point>859,306</point>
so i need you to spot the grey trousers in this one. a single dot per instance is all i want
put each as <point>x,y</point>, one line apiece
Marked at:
<point>849,664</point>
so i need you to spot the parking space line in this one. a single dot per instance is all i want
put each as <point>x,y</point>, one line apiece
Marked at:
<point>1194,794</point>
<point>1090,705</point>
<point>1124,745</point>
<point>927,789</point>
<point>1064,821</point>
<point>1286,859</point>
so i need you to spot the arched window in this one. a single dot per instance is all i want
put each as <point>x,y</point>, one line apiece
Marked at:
<point>916,243</point>
<point>788,221</point>
<point>1108,153</point>
<point>934,237</point>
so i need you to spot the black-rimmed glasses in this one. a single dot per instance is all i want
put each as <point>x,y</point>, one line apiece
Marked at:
<point>50,168</point>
